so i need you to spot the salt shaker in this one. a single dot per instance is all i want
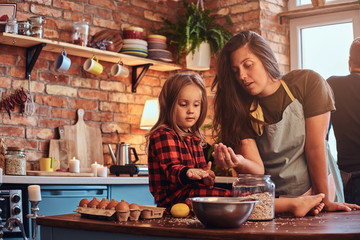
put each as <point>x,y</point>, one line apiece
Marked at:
<point>259,187</point>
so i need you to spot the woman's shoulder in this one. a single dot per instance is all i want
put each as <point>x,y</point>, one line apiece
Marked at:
<point>302,74</point>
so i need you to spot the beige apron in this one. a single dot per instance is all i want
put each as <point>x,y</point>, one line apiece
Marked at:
<point>284,156</point>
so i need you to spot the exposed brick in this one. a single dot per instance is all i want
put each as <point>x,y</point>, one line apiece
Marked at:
<point>25,144</point>
<point>96,11</point>
<point>20,120</point>
<point>43,111</point>
<point>43,2</point>
<point>103,3</point>
<point>84,104</point>
<point>45,11</point>
<point>85,82</point>
<point>12,131</point>
<point>35,86</point>
<point>135,108</point>
<point>7,59</point>
<point>22,7</point>
<point>63,113</point>
<point>63,4</point>
<point>115,127</point>
<point>40,133</point>
<point>250,6</point>
<point>112,86</point>
<point>99,116</point>
<point>2,71</point>
<point>106,23</point>
<point>54,78</point>
<point>112,107</point>
<point>126,118</point>
<point>121,97</point>
<point>132,139</point>
<point>61,90</point>
<point>51,123</point>
<point>17,72</point>
<point>92,94</point>
<point>5,82</point>
<point>50,100</point>
<point>150,15</point>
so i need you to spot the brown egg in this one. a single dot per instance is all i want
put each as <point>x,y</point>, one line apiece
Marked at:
<point>93,203</point>
<point>112,204</point>
<point>122,200</point>
<point>84,202</point>
<point>103,204</point>
<point>134,206</point>
<point>122,207</point>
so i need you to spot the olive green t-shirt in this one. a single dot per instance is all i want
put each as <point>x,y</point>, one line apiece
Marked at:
<point>307,86</point>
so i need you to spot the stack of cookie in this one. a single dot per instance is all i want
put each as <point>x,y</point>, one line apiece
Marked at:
<point>157,48</point>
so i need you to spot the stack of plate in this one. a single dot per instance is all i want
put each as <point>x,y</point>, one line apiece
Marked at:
<point>136,47</point>
<point>157,48</point>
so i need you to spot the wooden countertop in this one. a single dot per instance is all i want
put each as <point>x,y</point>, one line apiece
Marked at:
<point>328,225</point>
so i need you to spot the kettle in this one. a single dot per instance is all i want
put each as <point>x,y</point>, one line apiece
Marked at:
<point>123,155</point>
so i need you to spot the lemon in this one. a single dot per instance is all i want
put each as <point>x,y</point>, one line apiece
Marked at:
<point>180,210</point>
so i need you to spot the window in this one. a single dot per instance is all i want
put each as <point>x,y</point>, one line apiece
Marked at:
<point>322,43</point>
<point>298,4</point>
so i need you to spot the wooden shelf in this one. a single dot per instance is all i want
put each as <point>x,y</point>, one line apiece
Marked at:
<point>331,8</point>
<point>76,50</point>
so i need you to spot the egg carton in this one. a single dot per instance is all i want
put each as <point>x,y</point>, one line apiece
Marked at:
<point>145,212</point>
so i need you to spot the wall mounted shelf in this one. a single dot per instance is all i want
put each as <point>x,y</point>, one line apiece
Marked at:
<point>32,43</point>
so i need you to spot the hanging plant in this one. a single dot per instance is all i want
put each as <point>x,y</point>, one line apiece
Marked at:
<point>194,27</point>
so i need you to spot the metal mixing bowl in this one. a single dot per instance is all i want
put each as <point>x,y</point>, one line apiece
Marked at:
<point>222,212</point>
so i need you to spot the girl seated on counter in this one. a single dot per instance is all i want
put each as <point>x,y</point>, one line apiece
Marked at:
<point>177,167</point>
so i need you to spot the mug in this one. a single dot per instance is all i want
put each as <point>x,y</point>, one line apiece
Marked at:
<point>47,164</point>
<point>119,70</point>
<point>62,62</point>
<point>92,65</point>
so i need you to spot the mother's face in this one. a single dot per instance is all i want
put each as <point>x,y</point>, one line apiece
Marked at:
<point>250,72</point>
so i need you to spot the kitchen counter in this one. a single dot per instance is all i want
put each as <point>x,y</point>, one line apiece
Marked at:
<point>112,179</point>
<point>328,225</point>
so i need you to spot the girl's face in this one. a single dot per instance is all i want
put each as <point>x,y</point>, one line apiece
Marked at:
<point>251,74</point>
<point>188,106</point>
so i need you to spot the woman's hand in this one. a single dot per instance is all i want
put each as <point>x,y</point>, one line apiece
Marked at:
<point>225,157</point>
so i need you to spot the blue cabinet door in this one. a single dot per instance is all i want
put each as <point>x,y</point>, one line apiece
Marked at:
<point>139,194</point>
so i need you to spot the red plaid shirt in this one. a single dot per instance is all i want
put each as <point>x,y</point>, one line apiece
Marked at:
<point>169,157</point>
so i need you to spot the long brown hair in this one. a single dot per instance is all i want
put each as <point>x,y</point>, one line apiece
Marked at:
<point>232,102</point>
<point>168,99</point>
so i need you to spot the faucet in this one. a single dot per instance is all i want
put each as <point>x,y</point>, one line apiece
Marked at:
<point>15,222</point>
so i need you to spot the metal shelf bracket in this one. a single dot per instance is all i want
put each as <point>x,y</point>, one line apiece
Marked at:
<point>136,79</point>
<point>32,54</point>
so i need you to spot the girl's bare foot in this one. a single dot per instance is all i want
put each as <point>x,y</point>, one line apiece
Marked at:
<point>303,204</point>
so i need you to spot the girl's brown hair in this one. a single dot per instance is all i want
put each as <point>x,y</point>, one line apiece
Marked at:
<point>232,102</point>
<point>168,99</point>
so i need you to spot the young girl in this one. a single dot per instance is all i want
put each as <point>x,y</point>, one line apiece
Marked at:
<point>177,167</point>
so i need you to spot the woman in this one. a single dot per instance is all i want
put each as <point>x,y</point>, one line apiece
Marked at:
<point>280,123</point>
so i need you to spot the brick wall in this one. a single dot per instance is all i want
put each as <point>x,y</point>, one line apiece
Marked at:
<point>108,101</point>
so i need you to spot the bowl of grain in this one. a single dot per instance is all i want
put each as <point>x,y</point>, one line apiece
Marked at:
<point>222,212</point>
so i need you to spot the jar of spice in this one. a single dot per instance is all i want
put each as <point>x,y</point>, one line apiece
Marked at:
<point>81,33</point>
<point>11,26</point>
<point>24,28</point>
<point>259,187</point>
<point>15,161</point>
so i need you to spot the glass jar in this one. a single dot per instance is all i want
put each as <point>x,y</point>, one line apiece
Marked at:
<point>81,32</point>
<point>11,26</point>
<point>24,28</point>
<point>36,26</point>
<point>259,187</point>
<point>15,161</point>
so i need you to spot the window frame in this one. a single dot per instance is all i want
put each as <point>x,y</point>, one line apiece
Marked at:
<point>318,20</point>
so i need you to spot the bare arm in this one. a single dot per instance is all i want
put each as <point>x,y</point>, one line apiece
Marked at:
<point>248,162</point>
<point>315,151</point>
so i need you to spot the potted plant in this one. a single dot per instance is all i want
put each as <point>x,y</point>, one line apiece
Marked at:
<point>196,29</point>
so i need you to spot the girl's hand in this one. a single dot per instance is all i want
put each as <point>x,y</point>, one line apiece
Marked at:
<point>196,173</point>
<point>225,157</point>
<point>340,206</point>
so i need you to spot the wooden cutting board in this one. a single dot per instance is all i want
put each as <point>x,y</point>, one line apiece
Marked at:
<point>59,149</point>
<point>84,142</point>
<point>58,174</point>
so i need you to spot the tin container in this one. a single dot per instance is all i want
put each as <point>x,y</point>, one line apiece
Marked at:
<point>259,187</point>
<point>15,161</point>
